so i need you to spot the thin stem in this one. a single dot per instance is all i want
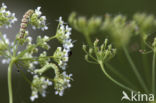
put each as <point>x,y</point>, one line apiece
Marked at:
<point>153,73</point>
<point>35,46</point>
<point>113,80</point>
<point>34,58</point>
<point>15,48</point>
<point>119,74</point>
<point>135,69</point>
<point>10,81</point>
<point>148,45</point>
<point>145,61</point>
<point>88,39</point>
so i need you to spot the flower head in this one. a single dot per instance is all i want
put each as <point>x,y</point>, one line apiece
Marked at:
<point>6,17</point>
<point>61,83</point>
<point>63,35</point>
<point>37,21</point>
<point>61,57</point>
<point>39,85</point>
<point>119,29</point>
<point>99,53</point>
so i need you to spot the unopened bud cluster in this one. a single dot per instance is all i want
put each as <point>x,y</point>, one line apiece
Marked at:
<point>85,26</point>
<point>119,28</point>
<point>101,53</point>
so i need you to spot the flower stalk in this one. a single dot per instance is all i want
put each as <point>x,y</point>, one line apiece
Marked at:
<point>112,79</point>
<point>10,80</point>
<point>135,69</point>
<point>153,73</point>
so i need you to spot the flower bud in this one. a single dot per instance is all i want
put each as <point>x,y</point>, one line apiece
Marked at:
<point>86,57</point>
<point>84,47</point>
<point>72,17</point>
<point>90,50</point>
<point>82,22</point>
<point>102,47</point>
<point>109,47</point>
<point>96,42</point>
<point>106,41</point>
<point>145,37</point>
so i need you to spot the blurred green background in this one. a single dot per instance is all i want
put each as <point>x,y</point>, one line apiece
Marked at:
<point>89,85</point>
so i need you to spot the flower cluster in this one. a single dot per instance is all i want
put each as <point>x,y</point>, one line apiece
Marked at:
<point>6,17</point>
<point>61,57</point>
<point>42,41</point>
<point>4,44</point>
<point>29,57</point>
<point>119,29</point>
<point>99,54</point>
<point>87,27</point>
<point>37,21</point>
<point>63,35</point>
<point>61,83</point>
<point>146,24</point>
<point>39,85</point>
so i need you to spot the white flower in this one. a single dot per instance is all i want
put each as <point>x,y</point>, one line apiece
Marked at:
<point>38,21</point>
<point>34,96</point>
<point>6,39</point>
<point>37,11</point>
<point>43,17</point>
<point>68,44</point>
<point>61,57</point>
<point>4,6</point>
<point>29,38</point>
<point>33,27</point>
<point>63,35</point>
<point>6,61</point>
<point>7,18</point>
<point>39,85</point>
<point>60,20</point>
<point>62,82</point>
<point>46,37</point>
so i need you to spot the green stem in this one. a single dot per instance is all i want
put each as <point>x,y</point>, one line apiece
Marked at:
<point>153,74</point>
<point>112,69</point>
<point>33,58</point>
<point>116,82</point>
<point>88,39</point>
<point>145,62</point>
<point>135,69</point>
<point>47,67</point>
<point>10,81</point>
<point>34,46</point>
